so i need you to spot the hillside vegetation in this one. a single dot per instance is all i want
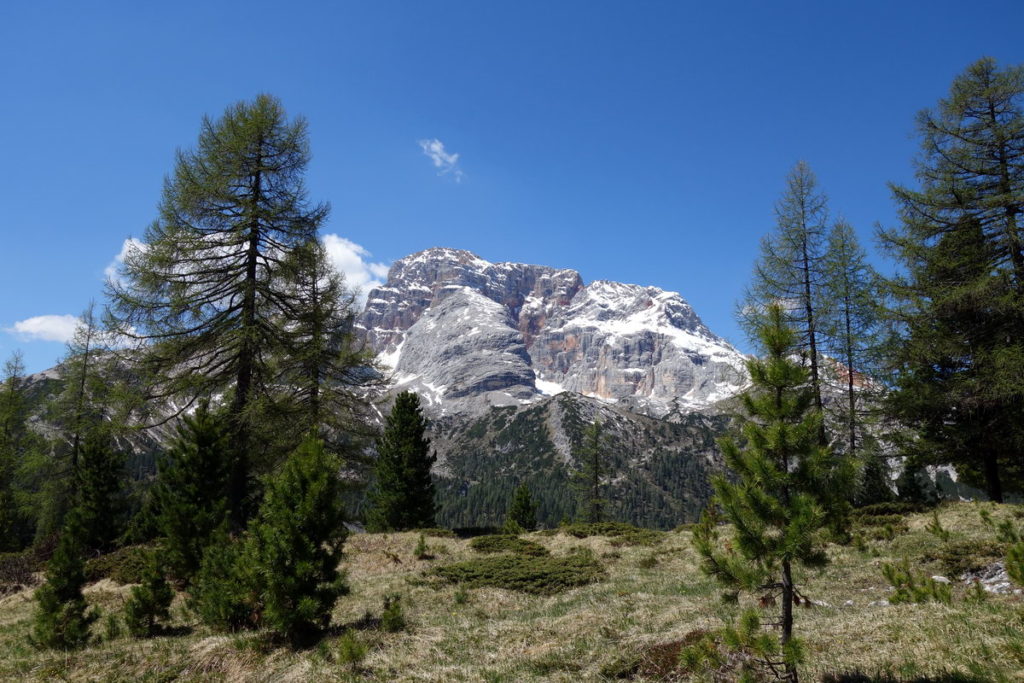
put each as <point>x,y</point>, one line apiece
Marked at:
<point>643,596</point>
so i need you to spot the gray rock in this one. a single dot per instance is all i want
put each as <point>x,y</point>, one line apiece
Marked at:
<point>464,348</point>
<point>993,578</point>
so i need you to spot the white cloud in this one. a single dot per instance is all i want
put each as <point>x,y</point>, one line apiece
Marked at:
<point>351,260</point>
<point>58,328</point>
<point>129,245</point>
<point>443,161</point>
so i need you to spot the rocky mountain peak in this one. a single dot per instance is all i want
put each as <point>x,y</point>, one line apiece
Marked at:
<point>468,334</point>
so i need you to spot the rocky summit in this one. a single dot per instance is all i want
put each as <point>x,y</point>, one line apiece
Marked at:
<point>469,335</point>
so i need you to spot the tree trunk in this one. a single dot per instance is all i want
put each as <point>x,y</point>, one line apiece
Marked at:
<point>787,614</point>
<point>246,365</point>
<point>811,339</point>
<point>849,380</point>
<point>76,440</point>
<point>993,482</point>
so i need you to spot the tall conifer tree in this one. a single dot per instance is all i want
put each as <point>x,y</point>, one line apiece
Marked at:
<point>208,293</point>
<point>850,326</point>
<point>957,309</point>
<point>522,511</point>
<point>403,495</point>
<point>791,268</point>
<point>329,374</point>
<point>99,490</point>
<point>591,478</point>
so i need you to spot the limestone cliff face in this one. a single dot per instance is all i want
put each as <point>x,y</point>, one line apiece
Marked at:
<point>469,334</point>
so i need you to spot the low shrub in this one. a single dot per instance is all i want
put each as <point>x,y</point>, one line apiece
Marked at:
<point>149,603</point>
<point>618,533</point>
<point>501,543</point>
<point>124,565</point>
<point>223,594</point>
<point>392,619</point>
<point>657,661</point>
<point>544,575</point>
<point>893,508</point>
<point>351,650</point>
<point>742,651</point>
<point>422,550</point>
<point>880,520</point>
<point>964,556</point>
<point>881,527</point>
<point>909,587</point>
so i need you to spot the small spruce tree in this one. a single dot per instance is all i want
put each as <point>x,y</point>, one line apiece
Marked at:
<point>150,602</point>
<point>296,543</point>
<point>590,478</point>
<point>522,511</point>
<point>774,501</point>
<point>62,618</point>
<point>225,592</point>
<point>100,491</point>
<point>191,495</point>
<point>403,497</point>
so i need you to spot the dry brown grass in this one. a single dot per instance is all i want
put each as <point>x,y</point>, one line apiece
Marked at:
<point>498,635</point>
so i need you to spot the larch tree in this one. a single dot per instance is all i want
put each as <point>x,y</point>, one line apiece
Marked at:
<point>791,268</point>
<point>207,295</point>
<point>957,310</point>
<point>328,373</point>
<point>851,327</point>
<point>403,494</point>
<point>85,405</point>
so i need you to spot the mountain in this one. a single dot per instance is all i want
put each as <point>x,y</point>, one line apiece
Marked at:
<point>468,335</point>
<point>512,362</point>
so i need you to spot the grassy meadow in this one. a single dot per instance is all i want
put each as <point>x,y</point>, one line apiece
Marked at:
<point>626,625</point>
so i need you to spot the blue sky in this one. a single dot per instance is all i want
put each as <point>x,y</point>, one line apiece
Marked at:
<point>637,141</point>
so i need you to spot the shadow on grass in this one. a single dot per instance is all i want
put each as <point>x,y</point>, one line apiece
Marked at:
<point>173,631</point>
<point>859,677</point>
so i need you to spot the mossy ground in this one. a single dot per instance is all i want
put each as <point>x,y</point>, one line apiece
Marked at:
<point>576,635</point>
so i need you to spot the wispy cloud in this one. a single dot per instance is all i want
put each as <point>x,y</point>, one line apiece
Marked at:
<point>445,162</point>
<point>352,260</point>
<point>58,328</point>
<point>113,269</point>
